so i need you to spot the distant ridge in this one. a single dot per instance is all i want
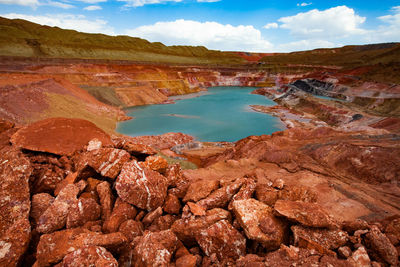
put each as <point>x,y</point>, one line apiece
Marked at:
<point>26,39</point>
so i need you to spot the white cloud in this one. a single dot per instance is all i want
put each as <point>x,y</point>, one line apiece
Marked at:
<point>304,45</point>
<point>335,22</point>
<point>389,32</point>
<point>67,21</point>
<point>272,25</point>
<point>137,3</point>
<point>304,4</point>
<point>32,3</point>
<point>213,35</point>
<point>92,8</point>
<point>57,4</point>
<point>208,1</point>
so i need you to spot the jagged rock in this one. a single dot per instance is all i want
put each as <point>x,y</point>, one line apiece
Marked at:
<point>321,240</point>
<point>378,242</point>
<point>196,209</point>
<point>186,261</point>
<point>360,258</point>
<point>222,239</point>
<point>221,197</point>
<point>200,189</point>
<point>154,249</point>
<point>40,203</point>
<point>122,212</point>
<point>392,231</point>
<point>133,148</point>
<point>344,252</point>
<point>106,199</point>
<point>308,214</point>
<point>63,136</point>
<point>89,256</point>
<point>162,223</point>
<point>186,229</point>
<point>82,211</point>
<point>55,217</point>
<point>259,223</point>
<point>141,187</point>
<point>131,229</point>
<point>267,194</point>
<point>155,163</point>
<point>94,144</point>
<point>151,216</point>
<point>47,179</point>
<point>106,161</point>
<point>278,184</point>
<point>15,204</point>
<point>245,192</point>
<point>250,260</point>
<point>177,180</point>
<point>172,204</point>
<point>70,179</point>
<point>53,247</point>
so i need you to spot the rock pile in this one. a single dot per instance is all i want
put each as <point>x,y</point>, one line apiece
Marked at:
<point>107,204</point>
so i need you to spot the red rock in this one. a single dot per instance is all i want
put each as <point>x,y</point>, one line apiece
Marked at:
<point>308,214</point>
<point>154,249</point>
<point>141,187</point>
<point>266,194</point>
<point>199,190</point>
<point>53,247</point>
<point>245,192</point>
<point>223,240</point>
<point>15,229</point>
<point>344,252</point>
<point>106,200</point>
<point>172,204</point>
<point>122,212</point>
<point>221,197</point>
<point>70,179</point>
<point>259,223</point>
<point>133,148</point>
<point>131,229</point>
<point>55,217</point>
<point>393,229</point>
<point>94,144</point>
<point>106,161</point>
<point>321,240</point>
<point>162,223</point>
<point>186,261</point>
<point>378,242</point>
<point>89,256</point>
<point>360,258</point>
<point>63,136</point>
<point>155,163</point>
<point>250,260</point>
<point>187,229</point>
<point>48,178</point>
<point>82,211</point>
<point>163,141</point>
<point>151,216</point>
<point>40,203</point>
<point>278,184</point>
<point>174,175</point>
<point>196,209</point>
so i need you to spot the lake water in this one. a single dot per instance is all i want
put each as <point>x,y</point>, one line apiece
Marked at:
<point>221,114</point>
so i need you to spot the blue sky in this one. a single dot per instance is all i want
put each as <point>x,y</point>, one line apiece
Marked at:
<point>252,25</point>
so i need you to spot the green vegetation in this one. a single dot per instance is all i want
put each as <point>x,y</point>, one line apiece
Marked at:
<point>104,94</point>
<point>185,164</point>
<point>27,39</point>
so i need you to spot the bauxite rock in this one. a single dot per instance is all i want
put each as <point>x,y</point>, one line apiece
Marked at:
<point>15,229</point>
<point>106,199</point>
<point>308,214</point>
<point>141,187</point>
<point>201,189</point>
<point>106,161</point>
<point>89,256</point>
<point>82,211</point>
<point>40,203</point>
<point>154,249</point>
<point>259,223</point>
<point>155,163</point>
<point>379,242</point>
<point>53,247</point>
<point>223,240</point>
<point>59,136</point>
<point>122,212</point>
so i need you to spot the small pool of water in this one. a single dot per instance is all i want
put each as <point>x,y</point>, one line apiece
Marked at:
<point>221,114</point>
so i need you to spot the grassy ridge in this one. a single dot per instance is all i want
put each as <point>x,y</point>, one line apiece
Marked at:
<point>24,38</point>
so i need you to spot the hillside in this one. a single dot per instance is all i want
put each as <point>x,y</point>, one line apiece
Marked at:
<point>27,39</point>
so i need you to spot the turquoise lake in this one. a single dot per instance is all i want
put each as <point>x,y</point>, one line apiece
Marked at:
<point>221,114</point>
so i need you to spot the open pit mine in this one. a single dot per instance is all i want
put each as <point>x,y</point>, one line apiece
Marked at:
<point>75,192</point>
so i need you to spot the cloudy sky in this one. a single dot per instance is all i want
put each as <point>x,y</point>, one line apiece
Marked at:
<point>230,25</point>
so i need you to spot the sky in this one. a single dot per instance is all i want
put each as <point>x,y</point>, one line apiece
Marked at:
<point>228,25</point>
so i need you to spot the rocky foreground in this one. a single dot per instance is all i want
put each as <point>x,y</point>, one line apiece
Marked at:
<point>71,195</point>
